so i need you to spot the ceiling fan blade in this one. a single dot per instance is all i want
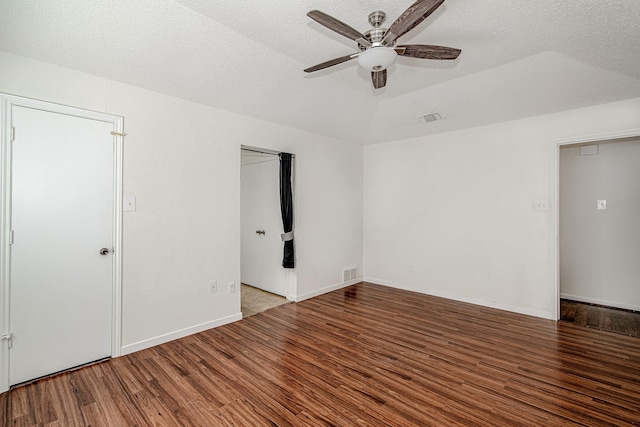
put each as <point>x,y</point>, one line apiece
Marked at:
<point>330,63</point>
<point>335,25</point>
<point>426,51</point>
<point>415,14</point>
<point>379,78</point>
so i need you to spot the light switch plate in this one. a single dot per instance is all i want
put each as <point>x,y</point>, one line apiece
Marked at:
<point>129,204</point>
<point>602,205</point>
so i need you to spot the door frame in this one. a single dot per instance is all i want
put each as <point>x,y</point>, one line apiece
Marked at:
<point>557,145</point>
<point>8,102</point>
<point>291,275</point>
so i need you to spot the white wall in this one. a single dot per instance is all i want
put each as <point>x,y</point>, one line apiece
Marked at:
<point>182,162</point>
<point>453,214</point>
<point>600,249</point>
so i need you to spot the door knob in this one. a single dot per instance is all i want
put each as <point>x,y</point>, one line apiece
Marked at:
<point>104,251</point>
<point>260,232</point>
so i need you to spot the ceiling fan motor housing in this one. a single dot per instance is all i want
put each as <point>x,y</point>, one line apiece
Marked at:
<point>376,34</point>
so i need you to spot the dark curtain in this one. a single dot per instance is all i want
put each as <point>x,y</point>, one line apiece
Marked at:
<point>286,208</point>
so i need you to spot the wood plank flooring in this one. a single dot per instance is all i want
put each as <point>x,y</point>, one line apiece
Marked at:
<point>363,355</point>
<point>597,316</point>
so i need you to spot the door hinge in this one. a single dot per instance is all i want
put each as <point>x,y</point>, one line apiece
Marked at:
<point>13,133</point>
<point>8,338</point>
<point>11,237</point>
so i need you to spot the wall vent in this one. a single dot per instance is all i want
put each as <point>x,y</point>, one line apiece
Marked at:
<point>349,274</point>
<point>430,118</point>
<point>589,150</point>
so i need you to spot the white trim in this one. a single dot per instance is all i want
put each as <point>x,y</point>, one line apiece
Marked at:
<point>579,139</point>
<point>291,278</point>
<point>475,301</point>
<point>608,303</point>
<point>118,149</point>
<point>555,230</point>
<point>327,289</point>
<point>5,185</point>
<point>9,101</point>
<point>161,339</point>
<point>557,144</point>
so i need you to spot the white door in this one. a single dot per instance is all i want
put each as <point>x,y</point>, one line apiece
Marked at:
<point>61,286</point>
<point>261,254</point>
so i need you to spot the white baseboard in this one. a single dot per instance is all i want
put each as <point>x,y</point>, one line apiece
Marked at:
<point>161,339</point>
<point>608,303</point>
<point>327,289</point>
<point>476,301</point>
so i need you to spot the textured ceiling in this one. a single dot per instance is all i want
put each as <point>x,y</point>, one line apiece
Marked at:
<point>519,58</point>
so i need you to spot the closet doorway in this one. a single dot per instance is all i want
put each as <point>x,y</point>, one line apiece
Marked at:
<point>261,224</point>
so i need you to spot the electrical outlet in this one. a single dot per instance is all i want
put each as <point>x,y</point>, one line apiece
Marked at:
<point>213,286</point>
<point>542,205</point>
<point>232,287</point>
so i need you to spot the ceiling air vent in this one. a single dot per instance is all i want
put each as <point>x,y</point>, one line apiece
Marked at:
<point>430,118</point>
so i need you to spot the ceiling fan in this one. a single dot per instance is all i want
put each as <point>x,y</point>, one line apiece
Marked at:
<point>377,47</point>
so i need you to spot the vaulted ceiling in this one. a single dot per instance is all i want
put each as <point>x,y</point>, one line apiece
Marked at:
<point>519,58</point>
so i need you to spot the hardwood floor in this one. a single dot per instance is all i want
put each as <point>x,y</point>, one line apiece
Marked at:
<point>597,316</point>
<point>364,355</point>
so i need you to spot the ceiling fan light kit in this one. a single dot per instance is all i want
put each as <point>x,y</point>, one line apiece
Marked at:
<point>377,58</point>
<point>377,47</point>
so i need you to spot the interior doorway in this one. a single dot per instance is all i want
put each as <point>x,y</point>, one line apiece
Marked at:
<point>599,232</point>
<point>261,225</point>
<point>61,238</point>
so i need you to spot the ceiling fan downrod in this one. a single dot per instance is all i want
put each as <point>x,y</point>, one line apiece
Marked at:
<point>376,34</point>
